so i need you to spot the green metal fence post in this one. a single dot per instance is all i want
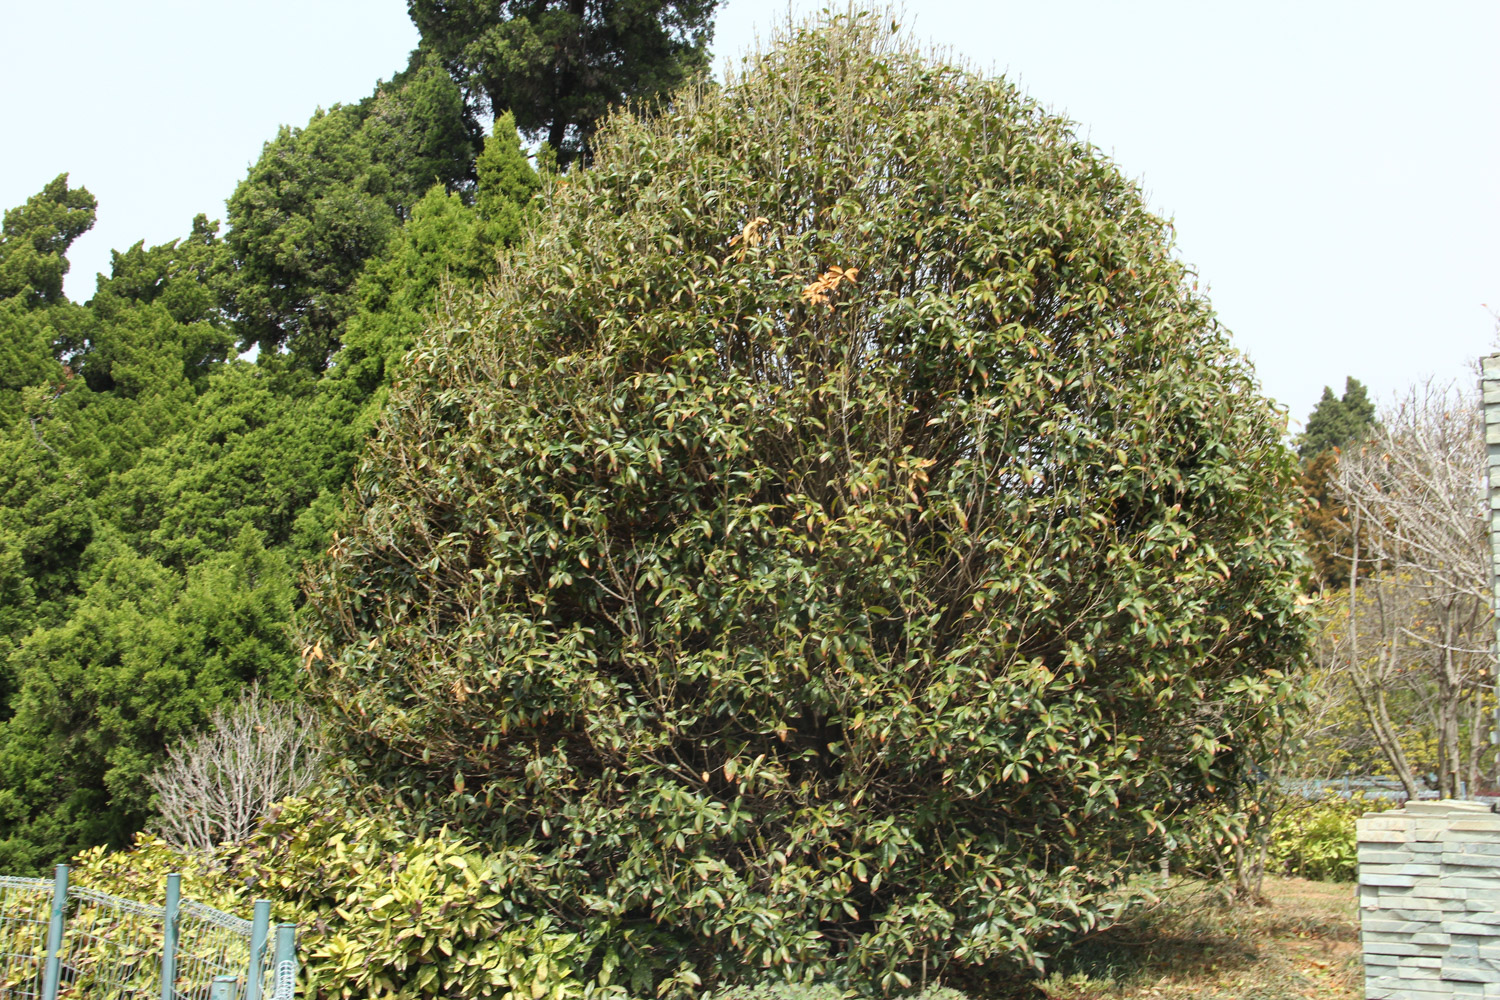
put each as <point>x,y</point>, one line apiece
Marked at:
<point>169,938</point>
<point>223,988</point>
<point>52,972</point>
<point>286,960</point>
<point>260,925</point>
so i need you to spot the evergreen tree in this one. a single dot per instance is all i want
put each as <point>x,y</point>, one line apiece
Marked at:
<point>1334,424</point>
<point>834,541</point>
<point>1322,525</point>
<point>87,626</point>
<point>1337,421</point>
<point>559,65</point>
<point>264,444</point>
<point>302,225</point>
<point>418,129</point>
<point>140,662</point>
<point>27,356</point>
<point>158,496</point>
<point>444,241</point>
<point>399,290</point>
<point>177,274</point>
<point>35,238</point>
<point>46,523</point>
<point>507,184</point>
<point>325,199</point>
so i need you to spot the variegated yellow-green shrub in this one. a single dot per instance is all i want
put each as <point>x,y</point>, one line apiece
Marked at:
<point>841,544</point>
<point>379,913</point>
<point>1316,837</point>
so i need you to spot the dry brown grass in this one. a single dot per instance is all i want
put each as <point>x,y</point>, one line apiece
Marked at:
<point>1303,943</point>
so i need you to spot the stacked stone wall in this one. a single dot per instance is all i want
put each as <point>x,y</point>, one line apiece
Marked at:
<point>1429,898</point>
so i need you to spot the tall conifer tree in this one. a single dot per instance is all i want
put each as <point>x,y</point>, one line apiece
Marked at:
<point>559,65</point>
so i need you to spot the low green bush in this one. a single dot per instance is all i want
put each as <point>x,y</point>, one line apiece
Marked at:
<point>1315,838</point>
<point>1305,837</point>
<point>382,913</point>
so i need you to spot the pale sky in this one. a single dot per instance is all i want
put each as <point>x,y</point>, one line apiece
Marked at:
<point>1331,167</point>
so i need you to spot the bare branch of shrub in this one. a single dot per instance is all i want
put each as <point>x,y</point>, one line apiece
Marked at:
<point>216,786</point>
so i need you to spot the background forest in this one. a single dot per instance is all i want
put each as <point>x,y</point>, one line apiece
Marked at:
<point>175,448</point>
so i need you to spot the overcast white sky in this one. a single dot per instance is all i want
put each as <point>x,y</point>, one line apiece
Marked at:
<point>1331,167</point>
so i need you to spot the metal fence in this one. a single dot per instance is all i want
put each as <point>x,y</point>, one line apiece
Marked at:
<point>1375,787</point>
<point>64,941</point>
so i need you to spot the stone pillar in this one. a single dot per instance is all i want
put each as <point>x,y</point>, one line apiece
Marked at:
<point>1489,384</point>
<point>1429,901</point>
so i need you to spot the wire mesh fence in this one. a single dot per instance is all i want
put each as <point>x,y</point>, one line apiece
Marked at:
<point>111,947</point>
<point>211,943</point>
<point>24,911</point>
<point>60,941</point>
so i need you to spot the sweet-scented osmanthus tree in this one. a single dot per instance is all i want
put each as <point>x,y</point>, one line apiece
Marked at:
<point>841,541</point>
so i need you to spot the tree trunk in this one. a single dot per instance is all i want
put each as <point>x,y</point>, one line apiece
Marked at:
<point>1471,755</point>
<point>566,77</point>
<point>1372,696</point>
<point>1451,692</point>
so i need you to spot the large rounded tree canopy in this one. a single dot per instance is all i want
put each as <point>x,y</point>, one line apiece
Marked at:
<point>842,542</point>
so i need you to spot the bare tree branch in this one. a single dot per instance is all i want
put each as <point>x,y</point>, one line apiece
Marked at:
<point>215,787</point>
<point>1419,616</point>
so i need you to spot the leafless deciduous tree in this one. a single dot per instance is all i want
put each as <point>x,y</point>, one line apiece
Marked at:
<point>215,787</point>
<point>1419,612</point>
